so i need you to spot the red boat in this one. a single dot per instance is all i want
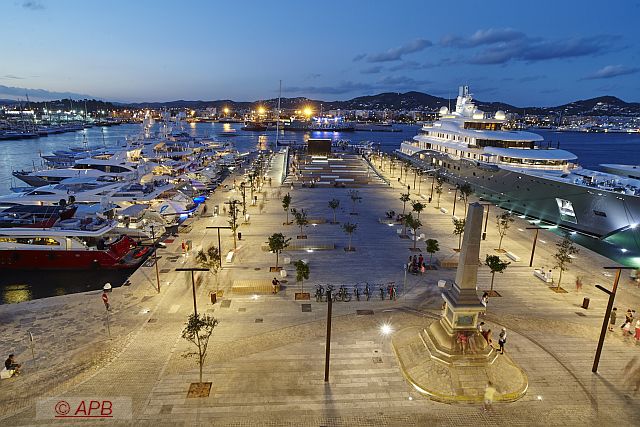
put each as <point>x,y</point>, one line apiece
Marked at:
<point>71,244</point>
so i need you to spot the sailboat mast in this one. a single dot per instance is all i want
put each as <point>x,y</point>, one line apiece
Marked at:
<point>278,115</point>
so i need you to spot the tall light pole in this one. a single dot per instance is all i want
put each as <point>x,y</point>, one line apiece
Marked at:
<point>219,247</point>
<point>155,256</point>
<point>433,180</point>
<point>455,199</point>
<point>612,296</point>
<point>193,284</point>
<point>535,240</point>
<point>415,175</point>
<point>327,354</point>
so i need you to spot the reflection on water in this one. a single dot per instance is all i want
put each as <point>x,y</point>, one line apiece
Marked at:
<point>20,286</point>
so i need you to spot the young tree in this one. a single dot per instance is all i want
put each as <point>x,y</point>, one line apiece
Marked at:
<point>355,198</point>
<point>496,265</point>
<point>404,198</point>
<point>503,222</point>
<point>563,256</point>
<point>286,202</point>
<point>414,224</point>
<point>233,220</point>
<point>243,190</point>
<point>302,272</point>
<point>465,191</point>
<point>210,259</point>
<point>438,189</point>
<point>277,243</point>
<point>197,331</point>
<point>349,228</point>
<point>300,219</point>
<point>418,207</point>
<point>432,248</point>
<point>458,230</point>
<point>334,204</point>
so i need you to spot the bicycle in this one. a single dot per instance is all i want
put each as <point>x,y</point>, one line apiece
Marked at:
<point>319,293</point>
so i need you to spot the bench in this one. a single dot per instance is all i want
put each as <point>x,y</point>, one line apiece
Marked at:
<point>540,275</point>
<point>252,286</point>
<point>513,256</point>
<point>443,210</point>
<point>283,273</point>
<point>230,256</point>
<point>442,283</point>
<point>6,374</point>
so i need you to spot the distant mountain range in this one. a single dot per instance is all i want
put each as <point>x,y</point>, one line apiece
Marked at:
<point>602,106</point>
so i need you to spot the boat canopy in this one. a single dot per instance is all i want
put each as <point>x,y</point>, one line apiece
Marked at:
<point>551,154</point>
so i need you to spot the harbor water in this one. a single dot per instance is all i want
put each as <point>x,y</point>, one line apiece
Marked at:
<point>592,149</point>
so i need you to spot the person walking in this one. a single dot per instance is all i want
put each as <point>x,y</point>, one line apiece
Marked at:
<point>485,301</point>
<point>627,319</point>
<point>489,394</point>
<point>502,339</point>
<point>487,336</point>
<point>637,328</point>
<point>612,318</point>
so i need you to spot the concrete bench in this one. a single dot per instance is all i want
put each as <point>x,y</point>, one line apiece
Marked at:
<point>512,256</point>
<point>287,260</point>
<point>252,286</point>
<point>443,210</point>
<point>442,283</point>
<point>540,275</point>
<point>283,273</point>
<point>306,245</point>
<point>230,256</point>
<point>6,374</point>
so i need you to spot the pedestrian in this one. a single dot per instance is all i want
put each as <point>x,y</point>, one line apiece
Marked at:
<point>578,284</point>
<point>420,261</point>
<point>637,335</point>
<point>487,336</point>
<point>274,285</point>
<point>612,318</point>
<point>489,393</point>
<point>11,365</point>
<point>627,319</point>
<point>485,301</point>
<point>502,339</point>
<point>481,328</point>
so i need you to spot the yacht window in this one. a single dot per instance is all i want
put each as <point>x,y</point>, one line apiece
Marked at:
<point>483,125</point>
<point>599,213</point>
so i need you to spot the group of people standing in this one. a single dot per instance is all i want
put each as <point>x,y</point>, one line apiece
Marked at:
<point>488,336</point>
<point>630,326</point>
<point>416,264</point>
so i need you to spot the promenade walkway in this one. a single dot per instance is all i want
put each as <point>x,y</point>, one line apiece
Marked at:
<point>266,358</point>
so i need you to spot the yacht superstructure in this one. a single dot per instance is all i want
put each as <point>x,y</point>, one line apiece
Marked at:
<point>520,172</point>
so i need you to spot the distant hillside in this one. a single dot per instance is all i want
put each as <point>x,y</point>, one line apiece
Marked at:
<point>601,106</point>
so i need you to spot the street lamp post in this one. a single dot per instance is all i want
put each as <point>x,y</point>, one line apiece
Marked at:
<point>420,184</point>
<point>535,240</point>
<point>327,355</point>
<point>455,199</point>
<point>612,296</point>
<point>193,284</point>
<point>433,180</point>
<point>155,256</point>
<point>219,247</point>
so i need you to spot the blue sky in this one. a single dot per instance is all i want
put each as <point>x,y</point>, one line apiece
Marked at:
<point>524,53</point>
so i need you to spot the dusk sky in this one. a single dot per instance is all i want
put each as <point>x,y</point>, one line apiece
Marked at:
<point>525,53</point>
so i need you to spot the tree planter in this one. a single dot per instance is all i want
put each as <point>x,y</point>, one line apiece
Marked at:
<point>558,290</point>
<point>199,390</point>
<point>493,293</point>
<point>353,213</point>
<point>275,269</point>
<point>403,236</point>
<point>351,249</point>
<point>301,237</point>
<point>415,249</point>
<point>500,250</point>
<point>306,296</point>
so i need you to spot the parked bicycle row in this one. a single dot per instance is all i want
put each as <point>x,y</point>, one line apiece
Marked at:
<point>359,291</point>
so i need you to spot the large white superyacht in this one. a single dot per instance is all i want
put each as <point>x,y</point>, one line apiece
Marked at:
<point>520,172</point>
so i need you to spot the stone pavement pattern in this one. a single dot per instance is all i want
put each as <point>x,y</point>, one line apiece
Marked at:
<point>267,356</point>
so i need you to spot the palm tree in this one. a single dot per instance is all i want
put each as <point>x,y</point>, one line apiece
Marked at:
<point>349,228</point>
<point>334,204</point>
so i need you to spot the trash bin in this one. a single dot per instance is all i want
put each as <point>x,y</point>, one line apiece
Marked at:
<point>585,303</point>
<point>239,235</point>
<point>214,297</point>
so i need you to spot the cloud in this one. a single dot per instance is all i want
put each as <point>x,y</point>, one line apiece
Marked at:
<point>12,77</point>
<point>359,57</point>
<point>483,37</point>
<point>396,53</point>
<point>33,5</point>
<point>400,83</point>
<point>533,50</point>
<point>372,70</point>
<point>41,94</point>
<point>611,71</point>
